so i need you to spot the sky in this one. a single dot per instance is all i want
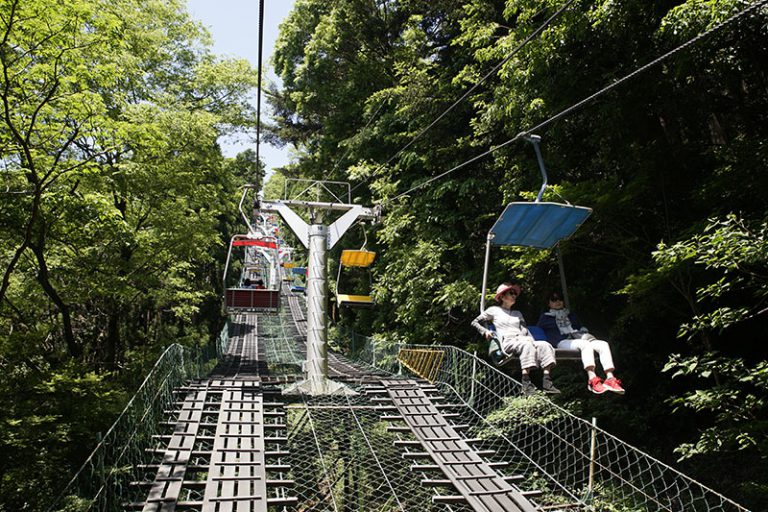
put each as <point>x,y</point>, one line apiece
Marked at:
<point>234,25</point>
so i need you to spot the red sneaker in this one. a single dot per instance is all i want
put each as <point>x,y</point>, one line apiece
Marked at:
<point>595,385</point>
<point>613,384</point>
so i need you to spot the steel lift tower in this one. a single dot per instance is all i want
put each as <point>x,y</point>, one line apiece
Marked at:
<point>318,238</point>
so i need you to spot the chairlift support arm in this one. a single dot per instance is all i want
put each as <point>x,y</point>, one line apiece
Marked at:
<point>335,230</point>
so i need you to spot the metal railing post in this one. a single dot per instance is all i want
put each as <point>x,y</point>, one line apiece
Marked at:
<point>563,285</point>
<point>592,449</point>
<point>472,382</point>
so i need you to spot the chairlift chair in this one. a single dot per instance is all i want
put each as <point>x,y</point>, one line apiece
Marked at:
<point>537,224</point>
<point>360,259</point>
<point>239,298</point>
<point>287,274</point>
<point>261,265</point>
<point>299,275</point>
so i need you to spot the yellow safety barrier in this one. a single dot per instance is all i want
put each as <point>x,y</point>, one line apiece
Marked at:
<point>424,362</point>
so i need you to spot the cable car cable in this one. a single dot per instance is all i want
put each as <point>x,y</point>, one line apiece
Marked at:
<point>647,66</point>
<point>589,98</point>
<point>258,85</point>
<point>381,105</point>
<point>506,59</point>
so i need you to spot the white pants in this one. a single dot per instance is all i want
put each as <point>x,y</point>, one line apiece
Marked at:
<point>532,352</point>
<point>588,347</point>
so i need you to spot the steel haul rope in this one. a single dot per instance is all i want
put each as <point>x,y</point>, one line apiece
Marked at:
<point>589,98</point>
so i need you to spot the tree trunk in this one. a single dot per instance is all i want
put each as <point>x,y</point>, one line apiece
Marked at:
<point>43,277</point>
<point>24,244</point>
<point>113,336</point>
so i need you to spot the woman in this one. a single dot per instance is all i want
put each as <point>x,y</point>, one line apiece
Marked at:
<point>564,330</point>
<point>515,338</point>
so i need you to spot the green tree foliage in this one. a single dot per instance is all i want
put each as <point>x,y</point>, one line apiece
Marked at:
<point>245,167</point>
<point>730,260</point>
<point>115,203</point>
<point>655,158</point>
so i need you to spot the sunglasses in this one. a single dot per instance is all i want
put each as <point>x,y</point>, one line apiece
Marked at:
<point>555,299</point>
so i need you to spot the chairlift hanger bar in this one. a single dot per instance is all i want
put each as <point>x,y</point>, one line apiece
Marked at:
<point>240,207</point>
<point>534,140</point>
<point>538,224</point>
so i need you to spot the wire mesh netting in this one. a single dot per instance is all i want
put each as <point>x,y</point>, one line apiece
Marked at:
<point>345,453</point>
<point>103,481</point>
<point>343,457</point>
<point>373,353</point>
<point>283,335</point>
<point>353,453</point>
<point>543,439</point>
<point>281,344</point>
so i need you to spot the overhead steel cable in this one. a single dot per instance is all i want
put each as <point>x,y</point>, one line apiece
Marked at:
<point>258,85</point>
<point>373,116</point>
<point>579,104</point>
<point>464,96</point>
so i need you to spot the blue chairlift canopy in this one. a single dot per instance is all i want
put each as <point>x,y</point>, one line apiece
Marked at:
<point>540,225</point>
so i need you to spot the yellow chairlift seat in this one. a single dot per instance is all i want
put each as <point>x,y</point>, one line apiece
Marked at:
<point>351,258</point>
<point>354,300</point>
<point>287,276</point>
